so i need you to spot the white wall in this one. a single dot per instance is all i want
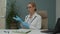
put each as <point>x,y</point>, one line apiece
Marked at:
<point>2,13</point>
<point>57,9</point>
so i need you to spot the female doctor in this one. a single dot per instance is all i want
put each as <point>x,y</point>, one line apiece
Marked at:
<point>33,20</point>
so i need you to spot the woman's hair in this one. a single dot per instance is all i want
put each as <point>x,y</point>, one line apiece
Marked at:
<point>33,5</point>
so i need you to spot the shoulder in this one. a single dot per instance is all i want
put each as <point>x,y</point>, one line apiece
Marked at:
<point>38,16</point>
<point>26,16</point>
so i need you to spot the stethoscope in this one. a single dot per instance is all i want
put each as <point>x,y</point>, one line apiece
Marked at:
<point>32,19</point>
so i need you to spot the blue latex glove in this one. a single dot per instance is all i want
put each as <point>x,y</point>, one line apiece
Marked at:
<point>18,19</point>
<point>25,25</point>
<point>21,21</point>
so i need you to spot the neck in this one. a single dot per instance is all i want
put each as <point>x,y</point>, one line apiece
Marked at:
<point>31,14</point>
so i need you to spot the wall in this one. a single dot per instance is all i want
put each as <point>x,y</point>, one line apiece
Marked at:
<point>2,13</point>
<point>51,14</point>
<point>57,9</point>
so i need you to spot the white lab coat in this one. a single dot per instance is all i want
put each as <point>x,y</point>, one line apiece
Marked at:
<point>34,22</point>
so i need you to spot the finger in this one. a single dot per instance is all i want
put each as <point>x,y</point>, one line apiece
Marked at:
<point>14,18</point>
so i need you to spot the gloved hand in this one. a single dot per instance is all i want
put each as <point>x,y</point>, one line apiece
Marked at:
<point>25,25</point>
<point>18,19</point>
<point>21,21</point>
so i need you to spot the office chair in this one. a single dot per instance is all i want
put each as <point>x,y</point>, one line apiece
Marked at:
<point>44,15</point>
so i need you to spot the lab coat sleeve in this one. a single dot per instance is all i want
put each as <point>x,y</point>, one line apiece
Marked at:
<point>37,24</point>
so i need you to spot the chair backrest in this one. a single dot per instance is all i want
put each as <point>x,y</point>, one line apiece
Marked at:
<point>44,16</point>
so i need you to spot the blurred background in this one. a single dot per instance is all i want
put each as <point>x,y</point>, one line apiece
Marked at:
<point>10,8</point>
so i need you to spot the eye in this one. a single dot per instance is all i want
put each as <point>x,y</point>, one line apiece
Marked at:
<point>29,7</point>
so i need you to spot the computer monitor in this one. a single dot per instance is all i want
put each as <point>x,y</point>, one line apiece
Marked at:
<point>57,27</point>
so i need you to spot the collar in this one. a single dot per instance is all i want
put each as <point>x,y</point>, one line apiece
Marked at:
<point>35,14</point>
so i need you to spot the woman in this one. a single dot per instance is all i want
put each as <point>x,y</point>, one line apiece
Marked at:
<point>33,20</point>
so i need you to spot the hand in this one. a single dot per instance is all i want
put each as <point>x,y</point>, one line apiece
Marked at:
<point>25,25</point>
<point>18,19</point>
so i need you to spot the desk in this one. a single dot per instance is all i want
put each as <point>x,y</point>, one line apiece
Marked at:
<point>21,31</point>
<point>36,32</point>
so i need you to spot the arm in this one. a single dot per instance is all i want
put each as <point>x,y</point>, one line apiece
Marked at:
<point>21,21</point>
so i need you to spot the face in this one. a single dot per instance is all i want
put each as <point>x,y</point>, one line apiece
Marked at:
<point>30,8</point>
